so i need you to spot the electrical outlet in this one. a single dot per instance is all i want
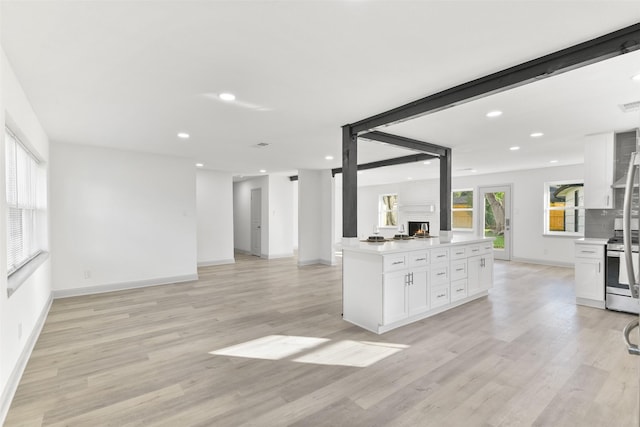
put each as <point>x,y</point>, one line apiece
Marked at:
<point>87,274</point>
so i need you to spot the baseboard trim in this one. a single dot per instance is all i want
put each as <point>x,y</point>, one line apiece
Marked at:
<point>242,251</point>
<point>543,262</point>
<point>590,303</point>
<point>276,256</point>
<point>16,374</point>
<point>100,289</point>
<point>216,262</point>
<point>316,261</point>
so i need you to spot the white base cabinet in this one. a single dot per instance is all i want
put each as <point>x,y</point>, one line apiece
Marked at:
<point>385,291</point>
<point>589,274</point>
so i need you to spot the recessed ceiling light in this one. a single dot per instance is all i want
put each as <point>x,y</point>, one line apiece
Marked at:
<point>636,78</point>
<point>426,163</point>
<point>553,161</point>
<point>514,148</point>
<point>227,96</point>
<point>495,113</point>
<point>409,178</point>
<point>360,172</point>
<point>328,157</point>
<point>183,135</point>
<point>263,170</point>
<point>199,165</point>
<point>536,134</point>
<point>473,170</point>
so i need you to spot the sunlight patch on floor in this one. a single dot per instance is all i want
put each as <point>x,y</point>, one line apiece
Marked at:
<point>321,351</point>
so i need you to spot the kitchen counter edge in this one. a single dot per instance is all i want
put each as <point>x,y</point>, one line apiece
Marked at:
<point>410,245</point>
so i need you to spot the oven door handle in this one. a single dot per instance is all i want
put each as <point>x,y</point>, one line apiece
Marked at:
<point>631,348</point>
<point>626,224</point>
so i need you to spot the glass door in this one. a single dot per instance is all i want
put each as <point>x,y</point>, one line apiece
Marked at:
<point>496,218</point>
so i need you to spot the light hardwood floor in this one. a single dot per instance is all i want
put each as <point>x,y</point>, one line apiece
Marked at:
<point>525,355</point>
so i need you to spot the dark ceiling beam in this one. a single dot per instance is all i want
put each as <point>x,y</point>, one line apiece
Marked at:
<point>413,158</point>
<point>604,47</point>
<point>401,141</point>
<point>390,162</point>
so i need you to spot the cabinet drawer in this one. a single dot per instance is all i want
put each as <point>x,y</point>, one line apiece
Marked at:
<point>475,250</point>
<point>439,274</point>
<point>394,262</point>
<point>458,290</point>
<point>439,296</point>
<point>458,252</point>
<point>458,269</point>
<point>418,259</point>
<point>589,251</point>
<point>440,255</point>
<point>486,247</point>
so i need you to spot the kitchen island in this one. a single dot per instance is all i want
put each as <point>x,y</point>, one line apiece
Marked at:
<point>391,284</point>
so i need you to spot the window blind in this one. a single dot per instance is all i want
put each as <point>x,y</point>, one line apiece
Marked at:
<point>21,179</point>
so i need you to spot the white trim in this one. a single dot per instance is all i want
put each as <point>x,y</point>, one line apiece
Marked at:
<point>99,289</point>
<point>316,261</point>
<point>276,256</point>
<point>16,374</point>
<point>541,262</point>
<point>242,251</point>
<point>590,303</point>
<point>216,262</point>
<point>22,274</point>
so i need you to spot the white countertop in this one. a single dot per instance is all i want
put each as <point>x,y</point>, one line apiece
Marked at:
<point>411,245</point>
<point>592,241</point>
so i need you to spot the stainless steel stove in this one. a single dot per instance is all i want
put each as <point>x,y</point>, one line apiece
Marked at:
<point>618,294</point>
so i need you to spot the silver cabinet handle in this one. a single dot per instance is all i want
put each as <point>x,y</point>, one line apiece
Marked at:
<point>588,252</point>
<point>598,266</point>
<point>460,269</point>
<point>440,256</point>
<point>441,274</point>
<point>626,224</point>
<point>421,259</point>
<point>397,262</point>
<point>631,348</point>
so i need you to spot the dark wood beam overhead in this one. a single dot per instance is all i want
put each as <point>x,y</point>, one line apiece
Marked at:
<point>601,48</point>
<point>401,141</point>
<point>389,162</point>
<point>445,191</point>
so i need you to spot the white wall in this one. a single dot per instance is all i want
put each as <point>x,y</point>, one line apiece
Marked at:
<point>214,198</point>
<point>316,217</point>
<point>120,219</point>
<point>22,314</point>
<point>528,242</point>
<point>280,217</point>
<point>411,195</point>
<point>242,214</point>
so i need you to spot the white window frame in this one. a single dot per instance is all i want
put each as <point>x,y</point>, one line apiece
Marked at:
<point>23,202</point>
<point>382,210</point>
<point>547,209</point>
<point>472,210</point>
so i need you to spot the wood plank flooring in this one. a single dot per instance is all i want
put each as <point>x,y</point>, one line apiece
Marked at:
<point>524,356</point>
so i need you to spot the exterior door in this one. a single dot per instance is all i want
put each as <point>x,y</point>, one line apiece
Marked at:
<point>256,222</point>
<point>495,218</point>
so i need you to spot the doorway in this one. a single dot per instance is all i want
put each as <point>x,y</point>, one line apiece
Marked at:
<point>256,222</point>
<point>495,218</point>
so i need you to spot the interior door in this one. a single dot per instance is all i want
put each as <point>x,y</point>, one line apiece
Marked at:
<point>495,218</point>
<point>256,222</point>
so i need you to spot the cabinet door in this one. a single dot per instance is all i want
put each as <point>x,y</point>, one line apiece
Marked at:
<point>394,297</point>
<point>589,276</point>
<point>486,272</point>
<point>474,267</point>
<point>418,298</point>
<point>598,171</point>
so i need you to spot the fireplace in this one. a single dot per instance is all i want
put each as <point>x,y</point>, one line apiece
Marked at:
<point>414,226</point>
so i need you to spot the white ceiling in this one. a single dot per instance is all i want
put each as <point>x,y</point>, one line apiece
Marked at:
<point>132,74</point>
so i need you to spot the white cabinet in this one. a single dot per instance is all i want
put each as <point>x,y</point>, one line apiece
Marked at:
<point>598,171</point>
<point>385,290</point>
<point>589,274</point>
<point>480,273</point>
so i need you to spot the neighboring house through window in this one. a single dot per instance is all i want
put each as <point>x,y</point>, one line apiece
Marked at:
<point>564,208</point>
<point>462,210</point>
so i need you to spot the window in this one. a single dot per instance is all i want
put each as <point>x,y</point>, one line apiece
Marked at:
<point>564,208</point>
<point>388,210</point>
<point>462,210</point>
<point>23,216</point>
